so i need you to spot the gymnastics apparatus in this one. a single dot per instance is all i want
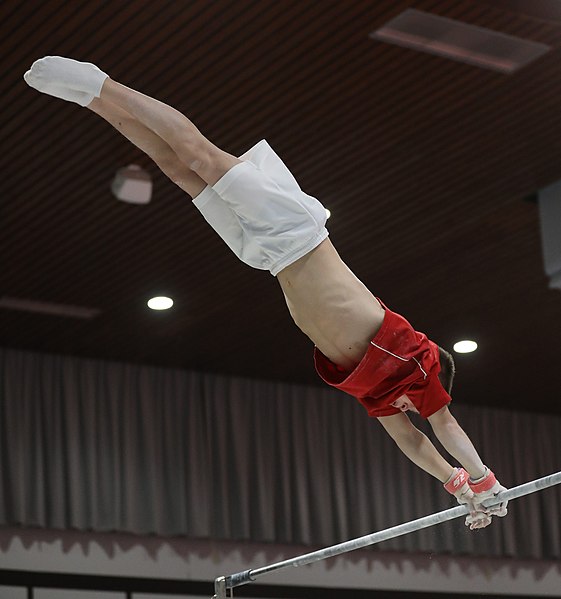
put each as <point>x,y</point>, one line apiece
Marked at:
<point>224,585</point>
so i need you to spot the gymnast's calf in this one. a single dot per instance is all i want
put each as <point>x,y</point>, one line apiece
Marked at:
<point>256,206</point>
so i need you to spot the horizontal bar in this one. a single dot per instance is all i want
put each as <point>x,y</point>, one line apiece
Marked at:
<point>389,533</point>
<point>359,543</point>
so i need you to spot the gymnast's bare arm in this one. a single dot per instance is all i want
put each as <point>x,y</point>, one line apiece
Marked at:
<point>416,446</point>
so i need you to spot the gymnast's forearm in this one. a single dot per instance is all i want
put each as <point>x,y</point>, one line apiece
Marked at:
<point>419,449</point>
<point>459,445</point>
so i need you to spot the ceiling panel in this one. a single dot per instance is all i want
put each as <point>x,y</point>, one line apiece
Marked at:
<point>425,163</point>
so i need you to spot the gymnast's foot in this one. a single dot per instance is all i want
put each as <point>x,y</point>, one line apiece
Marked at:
<point>61,77</point>
<point>70,95</point>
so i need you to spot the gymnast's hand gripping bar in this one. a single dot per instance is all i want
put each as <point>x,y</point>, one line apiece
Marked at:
<point>225,583</point>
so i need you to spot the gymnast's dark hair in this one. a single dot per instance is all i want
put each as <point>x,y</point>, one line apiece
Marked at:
<point>447,369</point>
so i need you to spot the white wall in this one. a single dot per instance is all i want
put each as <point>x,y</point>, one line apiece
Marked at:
<point>129,555</point>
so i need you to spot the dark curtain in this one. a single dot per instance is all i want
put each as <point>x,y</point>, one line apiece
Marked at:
<point>92,445</point>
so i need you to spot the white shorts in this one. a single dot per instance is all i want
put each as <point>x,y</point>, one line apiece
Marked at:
<point>261,213</point>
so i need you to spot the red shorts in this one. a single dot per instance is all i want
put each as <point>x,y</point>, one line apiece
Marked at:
<point>399,361</point>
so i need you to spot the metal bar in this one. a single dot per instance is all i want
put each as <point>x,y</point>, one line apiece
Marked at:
<point>234,580</point>
<point>220,588</point>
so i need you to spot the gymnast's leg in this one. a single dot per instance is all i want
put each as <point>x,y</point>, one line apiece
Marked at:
<point>264,234</point>
<point>195,151</point>
<point>82,85</point>
<point>150,143</point>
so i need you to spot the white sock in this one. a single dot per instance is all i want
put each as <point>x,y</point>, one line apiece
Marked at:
<point>51,89</point>
<point>66,73</point>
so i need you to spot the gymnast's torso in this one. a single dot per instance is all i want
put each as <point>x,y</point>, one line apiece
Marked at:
<point>331,306</point>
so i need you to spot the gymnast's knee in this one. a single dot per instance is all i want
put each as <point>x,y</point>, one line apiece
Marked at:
<point>209,162</point>
<point>190,148</point>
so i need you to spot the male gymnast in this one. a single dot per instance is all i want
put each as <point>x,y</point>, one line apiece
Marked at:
<point>254,203</point>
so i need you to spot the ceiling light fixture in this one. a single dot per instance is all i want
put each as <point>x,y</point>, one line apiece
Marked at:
<point>465,347</point>
<point>463,42</point>
<point>49,308</point>
<point>160,303</point>
<point>132,184</point>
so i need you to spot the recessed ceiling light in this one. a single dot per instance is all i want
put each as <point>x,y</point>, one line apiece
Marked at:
<point>465,347</point>
<point>160,303</point>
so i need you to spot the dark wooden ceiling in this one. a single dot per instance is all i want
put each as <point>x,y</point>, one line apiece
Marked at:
<point>425,163</point>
